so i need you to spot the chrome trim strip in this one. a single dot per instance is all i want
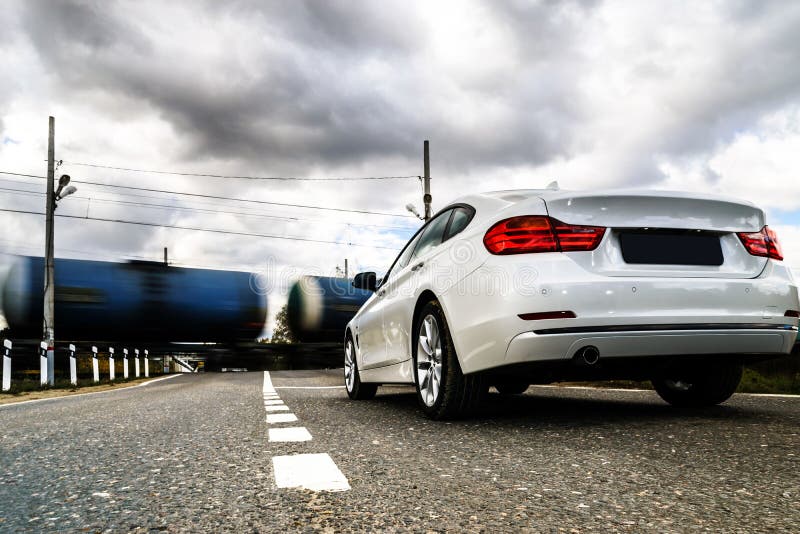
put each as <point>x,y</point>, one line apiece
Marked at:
<point>661,327</point>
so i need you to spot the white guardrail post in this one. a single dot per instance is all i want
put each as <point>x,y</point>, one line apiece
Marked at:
<point>43,363</point>
<point>7,365</point>
<point>51,365</point>
<point>136,362</point>
<point>146,364</point>
<point>73,366</point>
<point>95,366</point>
<point>125,364</point>
<point>111,370</point>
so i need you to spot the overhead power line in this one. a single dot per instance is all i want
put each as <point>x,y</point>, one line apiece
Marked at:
<point>208,175</point>
<point>91,253</point>
<point>218,197</point>
<point>198,229</point>
<point>204,210</point>
<point>21,174</point>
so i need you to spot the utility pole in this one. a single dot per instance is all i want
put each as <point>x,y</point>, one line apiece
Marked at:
<point>166,257</point>
<point>426,199</point>
<point>49,269</point>
<point>346,269</point>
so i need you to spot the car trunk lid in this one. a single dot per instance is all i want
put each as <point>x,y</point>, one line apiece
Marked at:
<point>663,234</point>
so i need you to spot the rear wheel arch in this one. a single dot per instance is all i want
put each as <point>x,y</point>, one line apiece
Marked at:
<point>424,298</point>
<point>348,333</point>
<point>356,389</point>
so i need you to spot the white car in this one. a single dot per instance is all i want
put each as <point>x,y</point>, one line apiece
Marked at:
<point>513,288</point>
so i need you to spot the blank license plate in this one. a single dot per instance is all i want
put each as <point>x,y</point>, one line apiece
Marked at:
<point>668,248</point>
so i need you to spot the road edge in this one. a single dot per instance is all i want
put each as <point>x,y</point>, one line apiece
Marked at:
<point>59,397</point>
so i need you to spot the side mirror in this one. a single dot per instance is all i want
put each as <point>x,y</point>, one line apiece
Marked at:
<point>366,281</point>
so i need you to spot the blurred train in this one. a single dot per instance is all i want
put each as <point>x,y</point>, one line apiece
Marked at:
<point>143,301</point>
<point>320,307</point>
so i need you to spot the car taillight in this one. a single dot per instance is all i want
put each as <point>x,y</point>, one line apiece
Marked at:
<point>574,237</point>
<point>764,243</point>
<point>538,233</point>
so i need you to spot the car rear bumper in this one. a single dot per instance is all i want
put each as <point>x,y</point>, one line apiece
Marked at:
<point>689,339</point>
<point>621,316</point>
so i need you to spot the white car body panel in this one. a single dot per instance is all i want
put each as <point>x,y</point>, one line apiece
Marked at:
<point>616,304</point>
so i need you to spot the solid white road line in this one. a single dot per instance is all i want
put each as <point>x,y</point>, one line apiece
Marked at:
<point>274,418</point>
<point>309,387</point>
<point>316,472</point>
<point>289,433</point>
<point>281,408</point>
<point>91,392</point>
<point>143,384</point>
<point>776,395</point>
<point>631,390</point>
<point>593,388</point>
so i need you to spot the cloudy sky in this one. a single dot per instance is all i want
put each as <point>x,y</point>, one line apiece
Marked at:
<point>701,96</point>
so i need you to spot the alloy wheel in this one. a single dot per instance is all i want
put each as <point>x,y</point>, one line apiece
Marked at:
<point>429,360</point>
<point>349,365</point>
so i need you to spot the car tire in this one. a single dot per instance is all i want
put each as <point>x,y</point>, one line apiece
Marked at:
<point>443,390</point>
<point>356,389</point>
<point>511,388</point>
<point>696,388</point>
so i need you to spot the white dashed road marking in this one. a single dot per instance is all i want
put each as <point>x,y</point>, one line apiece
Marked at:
<point>274,418</point>
<point>315,472</point>
<point>290,433</point>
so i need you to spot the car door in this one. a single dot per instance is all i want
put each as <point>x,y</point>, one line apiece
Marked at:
<point>401,290</point>
<point>369,331</point>
<point>371,339</point>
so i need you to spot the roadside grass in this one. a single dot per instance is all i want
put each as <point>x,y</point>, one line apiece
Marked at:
<point>755,382</point>
<point>27,389</point>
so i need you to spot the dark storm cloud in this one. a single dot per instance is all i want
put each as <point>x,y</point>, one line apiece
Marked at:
<point>282,110</point>
<point>339,26</point>
<point>309,96</point>
<point>307,101</point>
<point>755,75</point>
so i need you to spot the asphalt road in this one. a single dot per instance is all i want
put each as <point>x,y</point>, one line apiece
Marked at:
<point>193,453</point>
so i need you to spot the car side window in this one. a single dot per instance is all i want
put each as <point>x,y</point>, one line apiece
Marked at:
<point>433,234</point>
<point>403,259</point>
<point>461,218</point>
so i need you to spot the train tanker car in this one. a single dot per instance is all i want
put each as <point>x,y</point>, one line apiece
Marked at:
<point>146,301</point>
<point>320,307</point>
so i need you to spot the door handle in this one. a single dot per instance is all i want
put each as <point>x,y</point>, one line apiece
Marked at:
<point>418,266</point>
<point>381,292</point>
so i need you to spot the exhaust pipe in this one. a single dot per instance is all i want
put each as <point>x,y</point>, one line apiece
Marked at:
<point>588,355</point>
